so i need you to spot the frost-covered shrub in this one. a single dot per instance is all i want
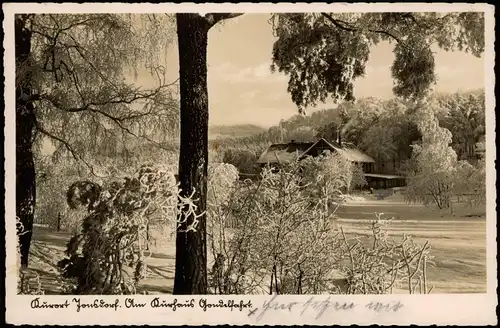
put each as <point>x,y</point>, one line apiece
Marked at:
<point>221,178</point>
<point>107,255</point>
<point>432,176</point>
<point>379,264</point>
<point>286,239</point>
<point>278,241</point>
<point>358,178</point>
<point>470,183</point>
<point>435,175</point>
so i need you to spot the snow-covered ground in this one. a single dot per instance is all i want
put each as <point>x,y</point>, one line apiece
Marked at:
<point>458,243</point>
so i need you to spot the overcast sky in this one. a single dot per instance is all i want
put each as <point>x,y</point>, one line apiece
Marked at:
<point>242,89</point>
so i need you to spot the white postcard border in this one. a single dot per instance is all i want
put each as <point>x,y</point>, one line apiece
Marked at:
<point>459,309</point>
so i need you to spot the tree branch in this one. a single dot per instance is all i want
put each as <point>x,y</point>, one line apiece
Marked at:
<point>214,18</point>
<point>338,24</point>
<point>84,22</point>
<point>119,122</point>
<point>66,144</point>
<point>114,100</point>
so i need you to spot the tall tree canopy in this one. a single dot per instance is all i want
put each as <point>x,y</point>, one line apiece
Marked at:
<point>71,87</point>
<point>464,115</point>
<point>323,53</point>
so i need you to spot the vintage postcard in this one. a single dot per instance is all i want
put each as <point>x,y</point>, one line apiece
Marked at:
<point>260,164</point>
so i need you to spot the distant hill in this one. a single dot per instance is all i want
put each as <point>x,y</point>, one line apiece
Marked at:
<point>234,131</point>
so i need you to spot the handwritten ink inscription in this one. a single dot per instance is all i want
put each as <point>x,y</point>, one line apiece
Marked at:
<point>130,303</point>
<point>204,304</point>
<point>386,307</point>
<point>96,304</point>
<point>174,305</point>
<point>314,304</point>
<point>317,307</point>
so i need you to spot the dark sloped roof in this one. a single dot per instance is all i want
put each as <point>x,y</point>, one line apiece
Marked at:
<point>352,153</point>
<point>283,152</point>
<point>286,152</point>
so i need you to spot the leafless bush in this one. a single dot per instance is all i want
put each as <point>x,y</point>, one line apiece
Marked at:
<point>285,240</point>
<point>273,215</point>
<point>380,264</point>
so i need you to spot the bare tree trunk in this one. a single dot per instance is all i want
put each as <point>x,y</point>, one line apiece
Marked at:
<point>191,249</point>
<point>25,130</point>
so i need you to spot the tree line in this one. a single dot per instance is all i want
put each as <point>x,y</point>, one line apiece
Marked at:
<point>383,129</point>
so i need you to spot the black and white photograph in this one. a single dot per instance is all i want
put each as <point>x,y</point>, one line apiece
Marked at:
<point>338,151</point>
